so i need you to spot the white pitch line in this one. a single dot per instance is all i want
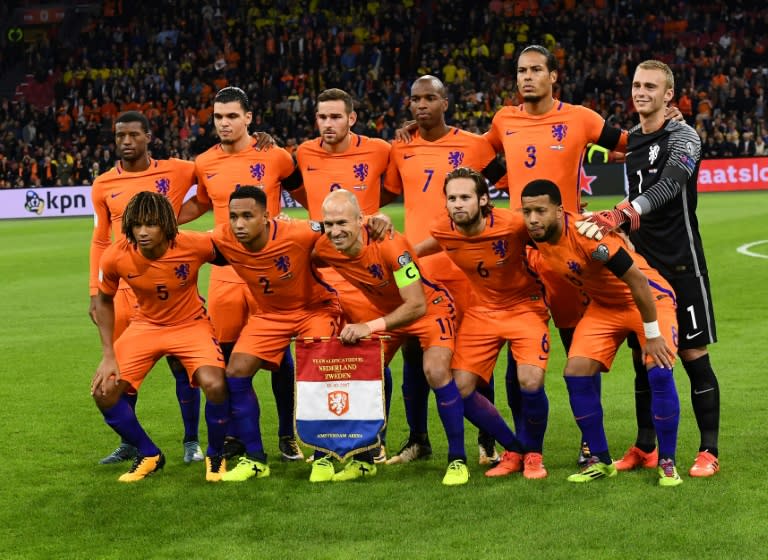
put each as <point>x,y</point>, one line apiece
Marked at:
<point>745,249</point>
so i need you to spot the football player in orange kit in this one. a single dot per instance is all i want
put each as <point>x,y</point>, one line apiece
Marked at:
<point>273,259</point>
<point>488,245</point>
<point>341,159</point>
<point>137,172</point>
<point>237,160</point>
<point>160,264</point>
<point>627,297</point>
<point>416,171</point>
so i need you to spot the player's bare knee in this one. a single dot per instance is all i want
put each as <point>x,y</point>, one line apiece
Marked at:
<point>465,381</point>
<point>581,367</point>
<point>211,380</point>
<point>531,377</point>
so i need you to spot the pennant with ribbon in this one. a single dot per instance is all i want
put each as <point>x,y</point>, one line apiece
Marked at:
<point>339,395</point>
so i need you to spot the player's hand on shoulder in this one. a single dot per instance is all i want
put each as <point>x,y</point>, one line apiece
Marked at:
<point>673,113</point>
<point>106,377</point>
<point>404,133</point>
<point>283,217</point>
<point>380,226</point>
<point>658,350</point>
<point>264,141</point>
<point>352,332</point>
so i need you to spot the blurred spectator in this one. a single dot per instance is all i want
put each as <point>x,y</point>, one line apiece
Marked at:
<point>168,60</point>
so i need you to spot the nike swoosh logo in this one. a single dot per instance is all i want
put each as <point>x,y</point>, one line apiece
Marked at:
<point>115,195</point>
<point>542,357</point>
<point>695,392</point>
<point>694,335</point>
<point>510,132</point>
<point>449,249</point>
<point>210,175</point>
<point>408,156</point>
<point>131,276</point>
<point>310,168</point>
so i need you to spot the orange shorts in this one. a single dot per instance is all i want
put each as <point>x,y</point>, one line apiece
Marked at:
<point>566,302</point>
<point>229,305</point>
<point>440,268</point>
<point>267,335</point>
<point>142,345</point>
<point>126,306</point>
<point>436,328</point>
<point>484,330</point>
<point>602,330</point>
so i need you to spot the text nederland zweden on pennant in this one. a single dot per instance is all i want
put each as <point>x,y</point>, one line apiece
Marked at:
<point>339,395</point>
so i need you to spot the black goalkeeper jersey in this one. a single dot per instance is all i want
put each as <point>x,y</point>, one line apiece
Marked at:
<point>662,172</point>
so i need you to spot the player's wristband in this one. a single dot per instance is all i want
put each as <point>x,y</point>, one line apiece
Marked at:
<point>652,329</point>
<point>377,325</point>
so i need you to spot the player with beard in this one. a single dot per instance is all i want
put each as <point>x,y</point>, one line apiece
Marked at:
<point>627,297</point>
<point>488,245</point>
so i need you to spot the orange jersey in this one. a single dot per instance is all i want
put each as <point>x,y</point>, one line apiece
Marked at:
<point>220,173</point>
<point>494,261</point>
<point>581,261</point>
<point>373,270</point>
<point>166,288</point>
<point>358,170</point>
<point>417,171</point>
<point>549,146</point>
<point>281,276</point>
<point>113,190</point>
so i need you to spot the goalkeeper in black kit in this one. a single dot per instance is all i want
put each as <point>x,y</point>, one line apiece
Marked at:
<point>659,214</point>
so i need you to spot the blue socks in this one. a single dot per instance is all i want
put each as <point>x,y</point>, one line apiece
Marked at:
<point>481,412</point>
<point>415,395</point>
<point>535,414</point>
<point>282,388</point>
<point>189,399</point>
<point>122,419</point>
<point>665,407</point>
<point>217,420</point>
<point>588,413</point>
<point>245,415</point>
<point>450,406</point>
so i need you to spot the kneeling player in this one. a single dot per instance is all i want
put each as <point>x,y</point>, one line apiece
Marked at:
<point>273,258</point>
<point>627,296</point>
<point>161,265</point>
<point>488,245</point>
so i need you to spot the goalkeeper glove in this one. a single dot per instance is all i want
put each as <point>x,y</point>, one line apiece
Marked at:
<point>600,223</point>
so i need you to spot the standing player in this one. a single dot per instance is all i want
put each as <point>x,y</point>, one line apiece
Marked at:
<point>273,259</point>
<point>417,170</point>
<point>627,296</point>
<point>662,171</point>
<point>137,172</point>
<point>160,264</point>
<point>489,244</point>
<point>341,159</point>
<point>236,161</point>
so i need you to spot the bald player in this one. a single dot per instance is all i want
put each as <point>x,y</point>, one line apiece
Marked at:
<point>416,171</point>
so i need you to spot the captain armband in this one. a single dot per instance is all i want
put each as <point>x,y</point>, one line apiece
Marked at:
<point>407,275</point>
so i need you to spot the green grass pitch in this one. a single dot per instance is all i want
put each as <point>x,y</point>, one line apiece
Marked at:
<point>58,503</point>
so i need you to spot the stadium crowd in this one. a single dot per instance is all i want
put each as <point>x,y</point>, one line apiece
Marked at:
<point>168,60</point>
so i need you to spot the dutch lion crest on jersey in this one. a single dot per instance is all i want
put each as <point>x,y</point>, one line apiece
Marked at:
<point>360,170</point>
<point>258,170</point>
<point>559,131</point>
<point>455,159</point>
<point>653,153</point>
<point>163,185</point>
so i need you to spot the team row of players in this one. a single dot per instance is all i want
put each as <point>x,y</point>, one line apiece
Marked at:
<point>548,144</point>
